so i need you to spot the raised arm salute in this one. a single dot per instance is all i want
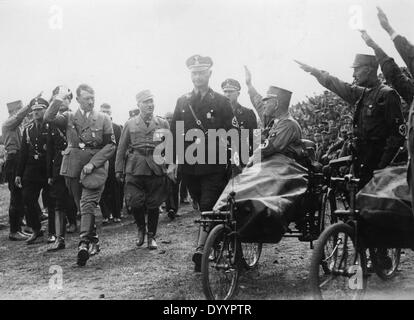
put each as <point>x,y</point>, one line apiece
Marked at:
<point>377,114</point>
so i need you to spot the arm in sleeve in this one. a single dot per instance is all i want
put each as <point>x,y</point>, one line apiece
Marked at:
<point>14,121</point>
<point>406,51</point>
<point>349,93</point>
<point>176,117</point>
<point>394,119</point>
<point>108,142</point>
<point>256,100</point>
<point>252,127</point>
<point>394,75</point>
<point>51,115</point>
<point>124,142</point>
<point>23,153</point>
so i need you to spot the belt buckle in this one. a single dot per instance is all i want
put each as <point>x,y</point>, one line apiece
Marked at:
<point>36,157</point>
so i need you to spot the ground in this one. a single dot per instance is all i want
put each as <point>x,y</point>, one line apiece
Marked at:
<point>124,271</point>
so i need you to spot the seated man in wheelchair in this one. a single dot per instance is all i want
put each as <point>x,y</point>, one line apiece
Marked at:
<point>269,190</point>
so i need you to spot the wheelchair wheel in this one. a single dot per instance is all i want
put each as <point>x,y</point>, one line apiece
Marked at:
<point>220,264</point>
<point>327,218</point>
<point>251,254</point>
<point>335,252</point>
<point>385,262</point>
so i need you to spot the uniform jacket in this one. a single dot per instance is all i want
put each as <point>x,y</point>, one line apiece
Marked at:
<point>12,132</point>
<point>32,156</point>
<point>214,112</point>
<point>56,145</point>
<point>246,119</point>
<point>90,140</point>
<point>284,134</point>
<point>377,116</point>
<point>134,155</point>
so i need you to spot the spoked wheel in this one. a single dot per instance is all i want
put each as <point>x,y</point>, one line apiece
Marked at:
<point>327,218</point>
<point>385,261</point>
<point>220,264</point>
<point>251,254</point>
<point>344,274</point>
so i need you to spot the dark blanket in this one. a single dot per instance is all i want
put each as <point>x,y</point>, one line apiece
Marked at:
<point>385,204</point>
<point>268,197</point>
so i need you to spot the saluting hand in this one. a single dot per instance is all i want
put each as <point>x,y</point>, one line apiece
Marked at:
<point>248,76</point>
<point>305,67</point>
<point>88,168</point>
<point>368,40</point>
<point>384,21</point>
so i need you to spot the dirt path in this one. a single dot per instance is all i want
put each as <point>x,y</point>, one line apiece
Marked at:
<point>123,271</point>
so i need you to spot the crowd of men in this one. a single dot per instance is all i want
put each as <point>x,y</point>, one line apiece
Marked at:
<point>80,158</point>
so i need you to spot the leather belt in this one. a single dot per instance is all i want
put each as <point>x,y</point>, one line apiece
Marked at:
<point>144,151</point>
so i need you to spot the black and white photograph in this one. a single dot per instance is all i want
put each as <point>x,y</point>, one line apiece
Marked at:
<point>192,150</point>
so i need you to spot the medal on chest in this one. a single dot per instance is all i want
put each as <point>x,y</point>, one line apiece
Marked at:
<point>369,111</point>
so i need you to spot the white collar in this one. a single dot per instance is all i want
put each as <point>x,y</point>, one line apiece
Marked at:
<point>84,113</point>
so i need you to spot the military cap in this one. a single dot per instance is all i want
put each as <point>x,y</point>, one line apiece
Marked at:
<point>283,96</point>
<point>365,60</point>
<point>199,63</point>
<point>133,112</point>
<point>38,103</point>
<point>144,95</point>
<point>15,105</point>
<point>106,106</point>
<point>230,84</point>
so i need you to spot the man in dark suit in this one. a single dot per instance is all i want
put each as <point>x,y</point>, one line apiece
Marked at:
<point>111,200</point>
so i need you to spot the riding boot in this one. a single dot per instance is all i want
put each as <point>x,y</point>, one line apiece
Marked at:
<point>60,231</point>
<point>202,237</point>
<point>139,215</point>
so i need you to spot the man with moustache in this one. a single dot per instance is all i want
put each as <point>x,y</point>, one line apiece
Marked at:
<point>91,143</point>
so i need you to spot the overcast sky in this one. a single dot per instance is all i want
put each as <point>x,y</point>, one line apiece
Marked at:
<point>122,47</point>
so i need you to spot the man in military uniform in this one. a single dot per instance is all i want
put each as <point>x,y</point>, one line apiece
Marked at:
<point>11,133</point>
<point>145,179</point>
<point>400,81</point>
<point>202,109</point>
<point>63,202</point>
<point>282,133</point>
<point>244,117</point>
<point>111,199</point>
<point>377,114</point>
<point>31,170</point>
<point>91,143</point>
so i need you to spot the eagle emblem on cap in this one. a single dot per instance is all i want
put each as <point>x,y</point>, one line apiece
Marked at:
<point>196,60</point>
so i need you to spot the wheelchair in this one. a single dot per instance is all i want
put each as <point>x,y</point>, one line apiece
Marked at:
<point>227,253</point>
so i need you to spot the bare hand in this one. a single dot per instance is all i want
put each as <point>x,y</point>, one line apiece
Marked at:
<point>172,172</point>
<point>119,177</point>
<point>18,182</point>
<point>248,75</point>
<point>305,67</point>
<point>368,40</point>
<point>384,21</point>
<point>88,168</point>
<point>50,181</point>
<point>63,93</point>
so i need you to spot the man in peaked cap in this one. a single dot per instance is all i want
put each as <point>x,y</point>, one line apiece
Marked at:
<point>377,115</point>
<point>201,110</point>
<point>31,173</point>
<point>244,118</point>
<point>145,179</point>
<point>282,133</point>
<point>12,136</point>
<point>111,200</point>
